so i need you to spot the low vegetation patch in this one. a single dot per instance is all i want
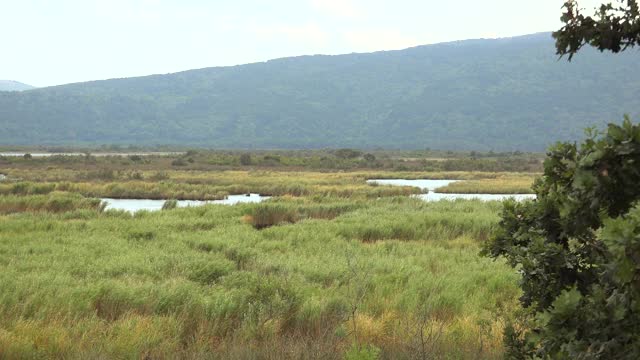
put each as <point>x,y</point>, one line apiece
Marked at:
<point>269,214</point>
<point>509,184</point>
<point>54,202</point>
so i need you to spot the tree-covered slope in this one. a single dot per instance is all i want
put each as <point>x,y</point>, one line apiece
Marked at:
<point>503,94</point>
<point>10,85</point>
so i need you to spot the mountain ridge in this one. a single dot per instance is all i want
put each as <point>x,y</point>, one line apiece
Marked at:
<point>496,94</point>
<point>12,85</point>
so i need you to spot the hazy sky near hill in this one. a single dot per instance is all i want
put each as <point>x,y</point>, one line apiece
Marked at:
<point>50,42</point>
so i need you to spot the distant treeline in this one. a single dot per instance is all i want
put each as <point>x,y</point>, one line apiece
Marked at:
<point>336,159</point>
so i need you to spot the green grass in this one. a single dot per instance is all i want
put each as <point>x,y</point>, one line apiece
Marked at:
<point>504,184</point>
<point>53,202</point>
<point>205,185</point>
<point>204,283</point>
<point>197,185</point>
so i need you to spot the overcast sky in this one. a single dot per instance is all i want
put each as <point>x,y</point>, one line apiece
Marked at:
<point>50,42</point>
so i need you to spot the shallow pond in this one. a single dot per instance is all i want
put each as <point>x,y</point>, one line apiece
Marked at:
<point>432,196</point>
<point>424,184</point>
<point>431,185</point>
<point>133,205</point>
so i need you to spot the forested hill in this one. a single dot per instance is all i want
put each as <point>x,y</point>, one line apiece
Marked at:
<point>505,94</point>
<point>10,85</point>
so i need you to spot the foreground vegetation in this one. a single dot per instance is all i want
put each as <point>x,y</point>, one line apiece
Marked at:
<point>324,277</point>
<point>332,267</point>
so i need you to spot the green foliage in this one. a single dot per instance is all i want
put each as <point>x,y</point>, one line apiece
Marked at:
<point>277,213</point>
<point>170,204</point>
<point>347,153</point>
<point>245,159</point>
<point>503,94</point>
<point>179,162</point>
<point>613,28</point>
<point>577,249</point>
<point>366,352</point>
<point>55,202</point>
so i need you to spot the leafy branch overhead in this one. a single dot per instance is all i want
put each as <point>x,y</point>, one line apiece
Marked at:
<point>577,246</point>
<point>577,250</point>
<point>614,27</point>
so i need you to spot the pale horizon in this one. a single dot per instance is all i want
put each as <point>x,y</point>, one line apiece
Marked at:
<point>72,41</point>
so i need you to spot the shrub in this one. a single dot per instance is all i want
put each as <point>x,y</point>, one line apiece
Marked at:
<point>170,204</point>
<point>178,162</point>
<point>577,249</point>
<point>245,159</point>
<point>347,153</point>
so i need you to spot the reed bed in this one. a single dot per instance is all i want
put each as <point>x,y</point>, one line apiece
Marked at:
<point>215,186</point>
<point>510,184</point>
<point>204,185</point>
<point>285,212</point>
<point>54,202</point>
<point>251,177</point>
<point>395,275</point>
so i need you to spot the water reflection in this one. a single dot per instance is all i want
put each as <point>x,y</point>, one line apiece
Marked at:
<point>425,184</point>
<point>430,185</point>
<point>133,205</point>
<point>432,196</point>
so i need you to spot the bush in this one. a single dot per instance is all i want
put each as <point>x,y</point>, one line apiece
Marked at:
<point>245,159</point>
<point>179,162</point>
<point>347,153</point>
<point>578,252</point>
<point>170,204</point>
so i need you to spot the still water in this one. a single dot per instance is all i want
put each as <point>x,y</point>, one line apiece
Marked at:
<point>432,196</point>
<point>431,185</point>
<point>423,184</point>
<point>133,205</point>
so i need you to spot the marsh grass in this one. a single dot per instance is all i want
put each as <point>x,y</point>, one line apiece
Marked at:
<point>209,186</point>
<point>53,202</point>
<point>282,212</point>
<point>119,190</point>
<point>507,184</point>
<point>202,283</point>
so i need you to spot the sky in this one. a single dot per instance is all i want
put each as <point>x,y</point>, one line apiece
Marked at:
<point>52,42</point>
